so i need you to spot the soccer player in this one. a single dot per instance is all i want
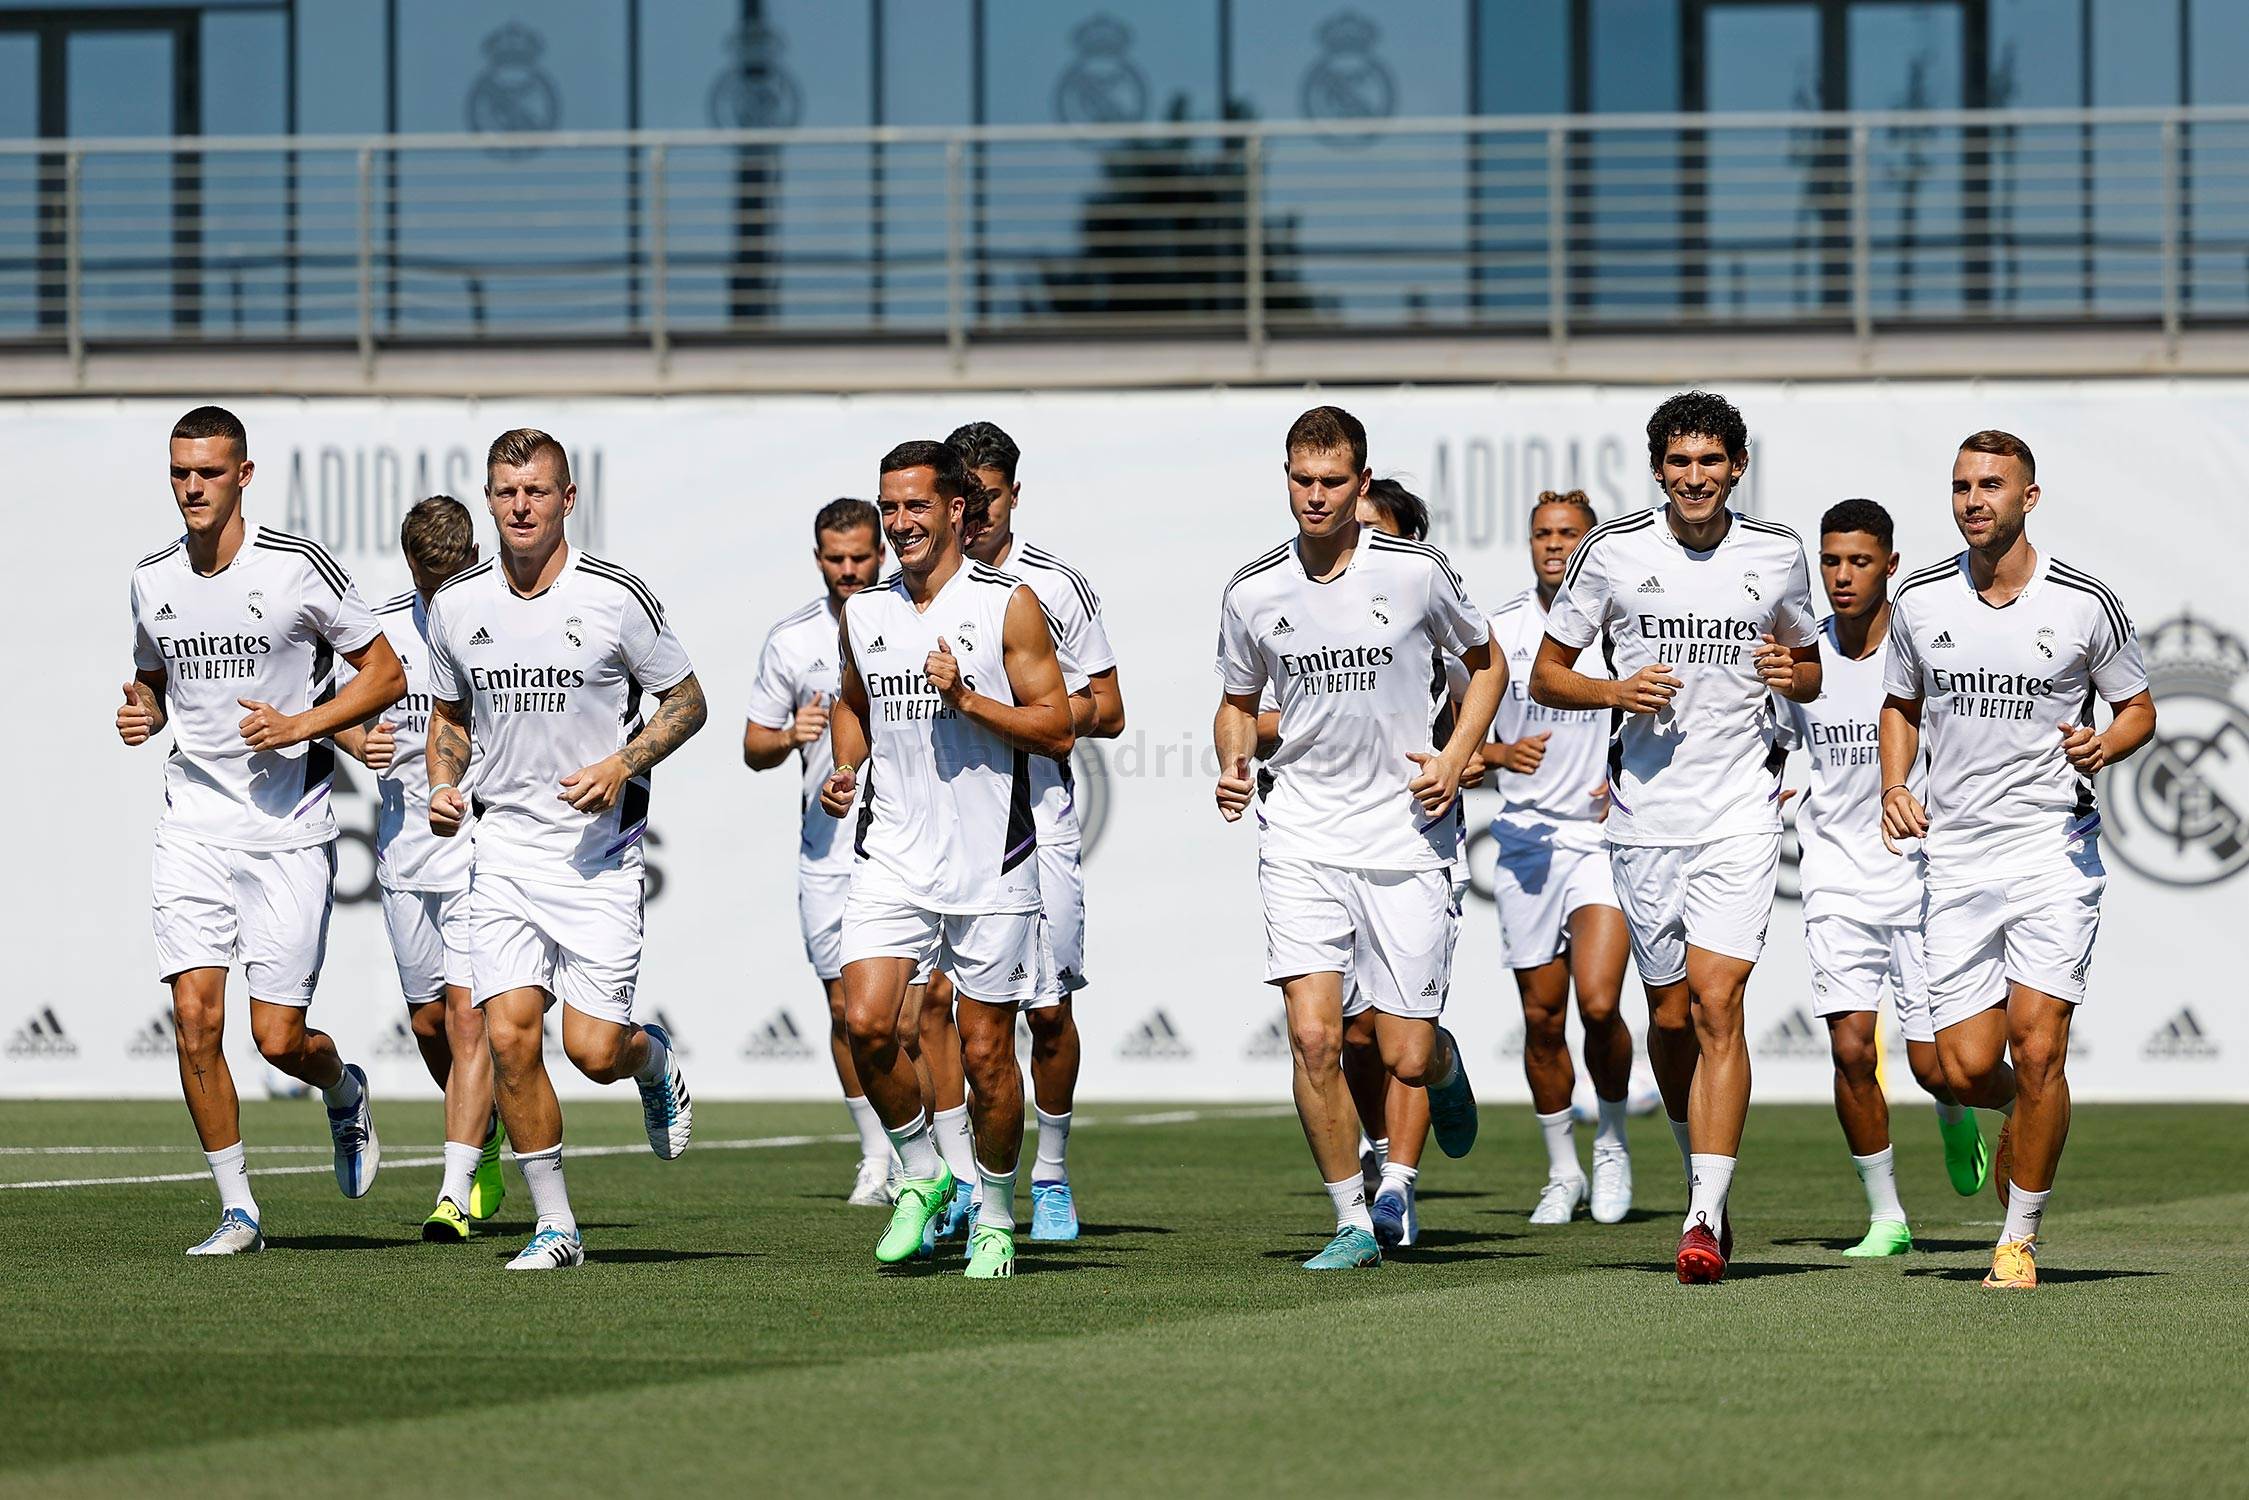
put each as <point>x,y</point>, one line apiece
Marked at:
<point>1559,925</point>
<point>1706,611</point>
<point>425,881</point>
<point>798,676</point>
<point>1356,832</point>
<point>950,679</point>
<point>1089,668</point>
<point>233,628</point>
<point>1862,905</point>
<point>1997,653</point>
<point>542,655</point>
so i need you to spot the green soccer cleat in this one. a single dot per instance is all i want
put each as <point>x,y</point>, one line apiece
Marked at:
<point>446,1225</point>
<point>488,1187</point>
<point>1967,1160</point>
<point>1883,1237</point>
<point>919,1200</point>
<point>991,1253</point>
<point>1351,1248</point>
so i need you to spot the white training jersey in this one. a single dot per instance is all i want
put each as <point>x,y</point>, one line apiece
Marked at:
<point>1352,667</point>
<point>408,857</point>
<point>1081,645</point>
<point>1996,684</point>
<point>945,804</point>
<point>803,660</point>
<point>264,627</point>
<point>1846,869</point>
<point>553,685</point>
<point>1559,803</point>
<point>1702,769</point>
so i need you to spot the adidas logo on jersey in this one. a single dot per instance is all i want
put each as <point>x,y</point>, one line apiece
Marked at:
<point>1155,1040</point>
<point>482,637</point>
<point>1283,627</point>
<point>1943,642</point>
<point>877,644</point>
<point>1270,1042</point>
<point>1016,974</point>
<point>1431,988</point>
<point>1793,1035</point>
<point>155,1040</point>
<point>42,1037</point>
<point>163,613</point>
<point>778,1040</point>
<point>1654,585</point>
<point>2180,1039</point>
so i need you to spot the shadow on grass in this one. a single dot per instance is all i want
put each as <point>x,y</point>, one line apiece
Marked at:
<point>656,1256</point>
<point>1740,1270</point>
<point>2047,1275</point>
<point>1933,1247</point>
<point>342,1242</point>
<point>1110,1231</point>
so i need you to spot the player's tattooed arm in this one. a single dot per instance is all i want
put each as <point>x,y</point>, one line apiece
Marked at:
<point>847,736</point>
<point>448,754</point>
<point>679,713</point>
<point>142,716</point>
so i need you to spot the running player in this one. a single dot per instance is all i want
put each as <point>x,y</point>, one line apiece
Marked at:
<point>233,628</point>
<point>1705,611</point>
<point>425,881</point>
<point>1089,668</point>
<point>1356,833</point>
<point>1559,924</point>
<point>950,679</point>
<point>1862,905</point>
<point>1999,652</point>
<point>797,681</point>
<point>542,654</point>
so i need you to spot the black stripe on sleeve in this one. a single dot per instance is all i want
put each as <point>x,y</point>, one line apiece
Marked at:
<point>478,571</point>
<point>157,557</point>
<point>330,571</point>
<point>1258,564</point>
<point>2062,572</point>
<point>626,581</point>
<point>2108,605</point>
<point>1077,580</point>
<point>1602,533</point>
<point>1383,541</point>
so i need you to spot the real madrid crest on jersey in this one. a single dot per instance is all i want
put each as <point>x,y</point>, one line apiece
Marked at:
<point>966,635</point>
<point>255,603</point>
<point>1751,587</point>
<point>2178,812</point>
<point>1381,609</point>
<point>574,632</point>
<point>2044,641</point>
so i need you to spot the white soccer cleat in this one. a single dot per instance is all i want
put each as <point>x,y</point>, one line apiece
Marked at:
<point>664,1106</point>
<point>237,1234</point>
<point>358,1152</point>
<point>1612,1186</point>
<point>1557,1203</point>
<point>550,1250</point>
<point>872,1189</point>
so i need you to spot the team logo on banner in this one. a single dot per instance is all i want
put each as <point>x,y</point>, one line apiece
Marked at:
<point>1155,1040</point>
<point>2180,1039</point>
<point>756,92</point>
<point>514,93</point>
<point>1270,1042</point>
<point>398,1042</point>
<point>2178,812</point>
<point>1101,87</point>
<point>1793,1035</point>
<point>42,1037</point>
<point>1511,1045</point>
<point>778,1040</point>
<point>155,1041</point>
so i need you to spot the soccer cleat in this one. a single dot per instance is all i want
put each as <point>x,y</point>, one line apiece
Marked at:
<point>358,1152</point>
<point>1612,1186</point>
<point>919,1201</point>
<point>872,1189</point>
<point>1967,1160</point>
<point>488,1186</point>
<point>959,1215</point>
<point>1351,1248</point>
<point>1452,1108</point>
<point>2003,1161</point>
<point>1397,1219</point>
<point>446,1225</point>
<point>1883,1237</point>
<point>1054,1213</point>
<point>1558,1201</point>
<point>991,1253</point>
<point>237,1234</point>
<point>664,1106</point>
<point>550,1250</point>
<point>1700,1260</point>
<point>2014,1267</point>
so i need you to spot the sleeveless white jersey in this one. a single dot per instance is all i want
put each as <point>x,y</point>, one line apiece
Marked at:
<point>1996,684</point>
<point>1352,667</point>
<point>1702,769</point>
<point>802,659</point>
<point>945,804</point>
<point>553,684</point>
<point>408,857</point>
<point>1081,645</point>
<point>1555,803</point>
<point>265,627</point>
<point>1847,870</point>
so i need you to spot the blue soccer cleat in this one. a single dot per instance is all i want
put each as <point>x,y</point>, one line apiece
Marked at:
<point>358,1152</point>
<point>550,1250</point>
<point>237,1234</point>
<point>1054,1215</point>
<point>1351,1249</point>
<point>1452,1108</point>
<point>1397,1221</point>
<point>664,1105</point>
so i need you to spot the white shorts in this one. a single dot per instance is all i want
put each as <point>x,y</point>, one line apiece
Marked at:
<point>1851,962</point>
<point>429,938</point>
<point>995,957</point>
<point>580,941</point>
<point>1389,933</point>
<point>1538,887</point>
<point>820,919</point>
<point>1062,896</point>
<point>265,909</point>
<point>1717,896</point>
<point>2035,930</point>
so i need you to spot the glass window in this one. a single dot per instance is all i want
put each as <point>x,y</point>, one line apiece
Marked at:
<point>1909,57</point>
<point>246,232</point>
<point>2219,57</point>
<point>2036,52</point>
<point>926,66</point>
<point>21,283</point>
<point>1635,62</point>
<point>119,83</point>
<point>1523,57</point>
<point>1103,63</point>
<point>341,87</point>
<point>2135,55</point>
<point>1624,255</point>
<point>2217,212</point>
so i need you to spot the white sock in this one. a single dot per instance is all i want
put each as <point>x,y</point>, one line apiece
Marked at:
<point>542,1173</point>
<point>1686,1147</point>
<point>1350,1196</point>
<point>1561,1144</point>
<point>1708,1178</point>
<point>917,1151</point>
<point>232,1174</point>
<point>1381,1150</point>
<point>1608,1136</point>
<point>2024,1211</point>
<point>1397,1176</point>
<point>995,1198</point>
<point>874,1141</point>
<point>658,1056</point>
<point>1879,1175</point>
<point>955,1142</point>
<point>460,1169</point>
<point>345,1093</point>
<point>1052,1163</point>
<point>1950,1114</point>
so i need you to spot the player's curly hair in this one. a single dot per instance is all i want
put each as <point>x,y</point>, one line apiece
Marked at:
<point>1576,499</point>
<point>1860,515</point>
<point>1324,429</point>
<point>1697,414</point>
<point>982,445</point>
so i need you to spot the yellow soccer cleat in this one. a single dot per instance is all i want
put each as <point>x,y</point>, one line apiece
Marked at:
<point>2013,1267</point>
<point>446,1225</point>
<point>488,1187</point>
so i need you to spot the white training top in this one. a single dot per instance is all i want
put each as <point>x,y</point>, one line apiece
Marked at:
<point>1351,662</point>
<point>1557,803</point>
<point>264,627</point>
<point>408,857</point>
<point>945,804</point>
<point>802,660</point>
<point>553,685</point>
<point>1081,644</point>
<point>1846,868</point>
<point>1702,769</point>
<point>1996,684</point>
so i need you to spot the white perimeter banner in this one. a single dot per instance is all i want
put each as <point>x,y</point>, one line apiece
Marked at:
<point>1158,497</point>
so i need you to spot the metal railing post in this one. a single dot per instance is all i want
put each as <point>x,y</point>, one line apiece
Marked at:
<point>659,255</point>
<point>1253,245</point>
<point>2171,247</point>
<point>1862,244</point>
<point>1558,241</point>
<point>956,312</point>
<point>367,263</point>
<point>73,268</point>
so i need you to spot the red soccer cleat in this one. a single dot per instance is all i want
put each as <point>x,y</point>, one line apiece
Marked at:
<point>1701,1260</point>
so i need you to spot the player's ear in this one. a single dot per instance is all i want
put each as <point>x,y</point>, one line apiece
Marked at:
<point>1892,570</point>
<point>248,468</point>
<point>2030,499</point>
<point>569,498</point>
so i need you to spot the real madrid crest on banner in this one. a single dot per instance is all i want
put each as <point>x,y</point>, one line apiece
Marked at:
<point>514,93</point>
<point>756,92</point>
<point>1348,82</point>
<point>2178,812</point>
<point>1101,86</point>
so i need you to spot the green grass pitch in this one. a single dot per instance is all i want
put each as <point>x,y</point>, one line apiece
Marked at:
<point>731,1331</point>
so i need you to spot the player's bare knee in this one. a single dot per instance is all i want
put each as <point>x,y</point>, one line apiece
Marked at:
<point>1854,1056</point>
<point>1317,1043</point>
<point>2038,1058</point>
<point>599,1055</point>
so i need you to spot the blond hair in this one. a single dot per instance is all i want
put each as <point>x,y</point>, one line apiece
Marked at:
<point>519,445</point>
